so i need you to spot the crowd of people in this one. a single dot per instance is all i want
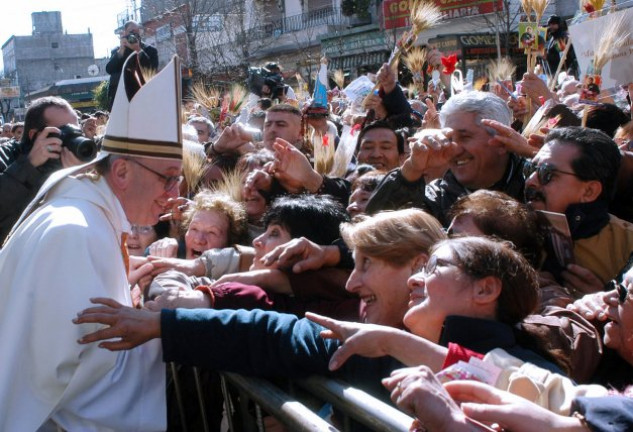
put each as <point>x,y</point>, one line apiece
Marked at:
<point>466,257</point>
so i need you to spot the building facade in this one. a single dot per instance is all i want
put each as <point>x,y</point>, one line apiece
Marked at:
<point>47,55</point>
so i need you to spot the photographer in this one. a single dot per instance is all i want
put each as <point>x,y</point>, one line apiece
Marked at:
<point>25,165</point>
<point>130,42</point>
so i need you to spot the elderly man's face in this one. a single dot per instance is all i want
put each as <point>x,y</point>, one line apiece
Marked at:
<point>478,165</point>
<point>557,186</point>
<point>379,148</point>
<point>283,125</point>
<point>146,196</point>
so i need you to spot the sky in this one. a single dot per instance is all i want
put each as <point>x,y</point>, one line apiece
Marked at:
<point>77,17</point>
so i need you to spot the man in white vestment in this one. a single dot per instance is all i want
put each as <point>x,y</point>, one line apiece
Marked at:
<point>68,247</point>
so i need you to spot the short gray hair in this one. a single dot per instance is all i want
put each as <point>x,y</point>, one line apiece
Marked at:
<point>484,105</point>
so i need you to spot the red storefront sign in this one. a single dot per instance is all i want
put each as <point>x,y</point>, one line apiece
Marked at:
<point>397,12</point>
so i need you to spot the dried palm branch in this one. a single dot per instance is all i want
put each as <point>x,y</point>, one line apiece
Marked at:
<point>339,78</point>
<point>423,17</point>
<point>230,184</point>
<point>344,152</point>
<point>611,40</point>
<point>323,146</point>
<point>502,69</point>
<point>207,97</point>
<point>539,6</point>
<point>414,61</point>
<point>194,166</point>
<point>148,73</point>
<point>527,8</point>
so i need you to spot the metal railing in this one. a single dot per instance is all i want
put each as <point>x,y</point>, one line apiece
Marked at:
<point>318,17</point>
<point>291,412</point>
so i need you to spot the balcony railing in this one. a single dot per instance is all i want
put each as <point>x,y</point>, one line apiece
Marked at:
<point>318,17</point>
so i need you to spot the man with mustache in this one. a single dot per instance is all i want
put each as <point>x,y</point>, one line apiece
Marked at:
<point>575,173</point>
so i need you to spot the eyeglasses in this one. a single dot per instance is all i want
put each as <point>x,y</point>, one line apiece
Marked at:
<point>170,181</point>
<point>434,262</point>
<point>545,172</point>
<point>623,293</point>
<point>141,229</point>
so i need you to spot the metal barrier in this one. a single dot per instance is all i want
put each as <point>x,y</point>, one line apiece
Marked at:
<point>287,409</point>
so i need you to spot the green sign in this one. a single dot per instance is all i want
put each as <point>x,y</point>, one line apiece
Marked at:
<point>354,44</point>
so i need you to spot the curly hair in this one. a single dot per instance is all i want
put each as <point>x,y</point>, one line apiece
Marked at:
<point>222,203</point>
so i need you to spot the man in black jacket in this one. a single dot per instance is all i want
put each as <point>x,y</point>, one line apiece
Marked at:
<point>130,42</point>
<point>463,148</point>
<point>26,164</point>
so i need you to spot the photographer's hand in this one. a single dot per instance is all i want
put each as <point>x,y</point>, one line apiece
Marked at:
<point>45,147</point>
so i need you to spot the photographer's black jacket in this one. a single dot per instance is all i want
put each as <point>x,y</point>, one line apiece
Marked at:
<point>149,60</point>
<point>19,182</point>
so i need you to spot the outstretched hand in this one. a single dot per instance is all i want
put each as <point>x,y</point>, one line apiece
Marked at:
<point>361,339</point>
<point>302,254</point>
<point>128,327</point>
<point>487,404</point>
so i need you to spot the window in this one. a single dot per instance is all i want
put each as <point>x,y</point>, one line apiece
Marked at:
<point>55,45</point>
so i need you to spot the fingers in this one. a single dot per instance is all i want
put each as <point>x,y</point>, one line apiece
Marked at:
<point>106,302</point>
<point>324,321</point>
<point>339,357</point>
<point>99,335</point>
<point>473,391</point>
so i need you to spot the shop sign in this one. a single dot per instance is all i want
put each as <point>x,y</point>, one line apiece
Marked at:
<point>359,43</point>
<point>397,12</point>
<point>9,92</point>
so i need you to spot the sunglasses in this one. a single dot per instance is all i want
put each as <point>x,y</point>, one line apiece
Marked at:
<point>545,172</point>
<point>623,293</point>
<point>170,181</point>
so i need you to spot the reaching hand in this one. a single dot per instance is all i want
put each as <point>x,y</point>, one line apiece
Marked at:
<point>594,306</point>
<point>362,339</point>
<point>293,170</point>
<point>130,327</point>
<point>302,254</point>
<point>431,118</point>
<point>190,267</point>
<point>166,247</point>
<point>386,77</point>
<point>176,206</point>
<point>487,404</point>
<point>178,298</point>
<point>417,392</point>
<point>139,268</point>
<point>509,139</point>
<point>431,149</point>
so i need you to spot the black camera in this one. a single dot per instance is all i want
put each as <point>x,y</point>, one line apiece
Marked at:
<point>132,38</point>
<point>84,148</point>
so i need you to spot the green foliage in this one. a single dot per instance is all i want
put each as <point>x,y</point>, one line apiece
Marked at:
<point>100,95</point>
